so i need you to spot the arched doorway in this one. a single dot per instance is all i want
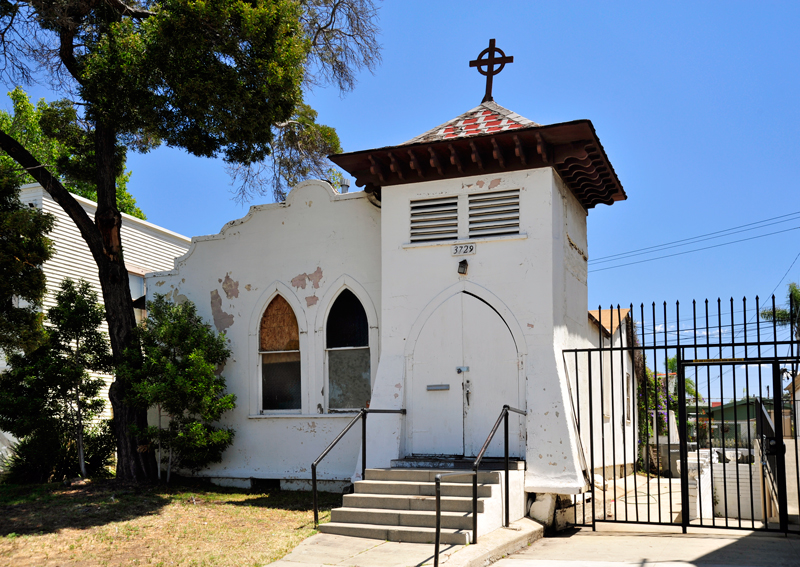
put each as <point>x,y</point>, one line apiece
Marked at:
<point>464,369</point>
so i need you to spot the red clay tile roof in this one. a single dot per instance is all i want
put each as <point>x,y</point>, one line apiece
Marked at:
<point>487,118</point>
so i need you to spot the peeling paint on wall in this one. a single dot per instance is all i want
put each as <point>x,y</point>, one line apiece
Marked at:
<point>299,282</point>
<point>159,284</point>
<point>222,320</point>
<point>311,300</point>
<point>494,183</point>
<point>480,184</point>
<point>178,298</point>
<point>314,277</point>
<point>248,287</point>
<point>578,250</point>
<point>230,287</point>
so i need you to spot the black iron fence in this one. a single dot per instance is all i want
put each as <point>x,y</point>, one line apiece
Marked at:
<point>689,416</point>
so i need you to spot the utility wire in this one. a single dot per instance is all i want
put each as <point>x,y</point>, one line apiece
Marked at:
<point>699,238</point>
<point>695,250</point>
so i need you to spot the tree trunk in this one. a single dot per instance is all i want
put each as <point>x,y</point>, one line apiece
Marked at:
<point>103,239</point>
<point>81,459</point>
<point>135,461</point>
<point>158,460</point>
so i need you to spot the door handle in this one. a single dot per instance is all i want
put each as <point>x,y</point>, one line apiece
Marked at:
<point>467,390</point>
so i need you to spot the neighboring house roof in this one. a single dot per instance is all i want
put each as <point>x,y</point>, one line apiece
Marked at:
<point>609,319</point>
<point>486,118</point>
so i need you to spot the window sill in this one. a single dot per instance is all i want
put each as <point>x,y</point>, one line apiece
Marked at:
<point>428,244</point>
<point>349,415</point>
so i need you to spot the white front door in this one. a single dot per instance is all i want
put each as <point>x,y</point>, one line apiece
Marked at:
<point>453,412</point>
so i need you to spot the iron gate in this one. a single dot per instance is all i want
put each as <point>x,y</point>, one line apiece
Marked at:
<point>688,421</point>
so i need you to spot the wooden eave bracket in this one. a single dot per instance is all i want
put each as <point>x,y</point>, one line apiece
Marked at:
<point>376,169</point>
<point>395,166</point>
<point>454,159</point>
<point>519,151</point>
<point>497,153</point>
<point>414,162</point>
<point>476,156</point>
<point>544,149</point>
<point>435,161</point>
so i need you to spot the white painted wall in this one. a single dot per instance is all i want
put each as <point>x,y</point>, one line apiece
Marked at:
<point>307,249</point>
<point>523,278</point>
<point>732,486</point>
<point>615,437</point>
<point>535,281</point>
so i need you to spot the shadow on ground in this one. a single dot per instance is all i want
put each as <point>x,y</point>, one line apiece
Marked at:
<point>756,550</point>
<point>39,509</point>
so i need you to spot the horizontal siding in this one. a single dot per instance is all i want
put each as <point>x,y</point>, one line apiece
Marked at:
<point>145,248</point>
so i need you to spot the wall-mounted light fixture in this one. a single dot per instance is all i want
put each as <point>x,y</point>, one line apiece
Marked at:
<point>462,267</point>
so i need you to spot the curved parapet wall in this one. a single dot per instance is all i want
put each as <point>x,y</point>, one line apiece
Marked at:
<point>306,249</point>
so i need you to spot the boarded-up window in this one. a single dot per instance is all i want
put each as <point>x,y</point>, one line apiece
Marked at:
<point>347,342</point>
<point>280,357</point>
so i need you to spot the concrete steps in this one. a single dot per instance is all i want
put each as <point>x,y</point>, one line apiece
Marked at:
<point>406,502</point>
<point>397,533</point>
<point>399,504</point>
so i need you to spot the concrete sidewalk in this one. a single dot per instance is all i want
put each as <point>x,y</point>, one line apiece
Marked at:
<point>327,549</point>
<point>621,548</point>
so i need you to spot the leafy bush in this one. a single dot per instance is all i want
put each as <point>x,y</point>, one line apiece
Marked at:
<point>180,376</point>
<point>48,396</point>
<point>51,455</point>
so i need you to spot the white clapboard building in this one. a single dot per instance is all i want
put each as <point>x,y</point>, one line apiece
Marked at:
<point>148,247</point>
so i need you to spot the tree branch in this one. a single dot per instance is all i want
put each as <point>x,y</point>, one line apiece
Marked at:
<point>132,11</point>
<point>53,186</point>
<point>66,51</point>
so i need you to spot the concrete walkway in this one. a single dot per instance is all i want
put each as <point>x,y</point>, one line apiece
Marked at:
<point>327,549</point>
<point>619,548</point>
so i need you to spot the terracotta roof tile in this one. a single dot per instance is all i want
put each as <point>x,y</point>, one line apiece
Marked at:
<point>483,119</point>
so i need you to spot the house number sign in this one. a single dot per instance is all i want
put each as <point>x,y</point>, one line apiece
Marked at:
<point>463,249</point>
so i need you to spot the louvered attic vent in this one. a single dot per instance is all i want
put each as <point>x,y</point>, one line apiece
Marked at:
<point>494,214</point>
<point>434,219</point>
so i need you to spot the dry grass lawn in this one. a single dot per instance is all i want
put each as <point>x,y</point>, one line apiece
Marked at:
<point>110,523</point>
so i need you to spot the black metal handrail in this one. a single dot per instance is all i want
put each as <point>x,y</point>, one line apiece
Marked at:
<point>503,417</point>
<point>362,415</point>
<point>438,479</point>
<point>765,430</point>
<point>474,474</point>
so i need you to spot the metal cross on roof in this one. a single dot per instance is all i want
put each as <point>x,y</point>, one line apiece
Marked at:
<point>487,59</point>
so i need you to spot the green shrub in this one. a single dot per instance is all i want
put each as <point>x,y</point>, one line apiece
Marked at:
<point>51,455</point>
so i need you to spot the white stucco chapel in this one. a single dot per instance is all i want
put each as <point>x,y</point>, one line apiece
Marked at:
<point>448,287</point>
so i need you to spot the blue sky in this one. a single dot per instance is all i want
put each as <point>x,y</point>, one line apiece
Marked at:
<point>695,104</point>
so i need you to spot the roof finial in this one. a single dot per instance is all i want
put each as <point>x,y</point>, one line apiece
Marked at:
<point>487,59</point>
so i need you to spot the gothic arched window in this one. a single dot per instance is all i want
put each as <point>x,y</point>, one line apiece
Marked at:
<point>347,346</point>
<point>279,346</point>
